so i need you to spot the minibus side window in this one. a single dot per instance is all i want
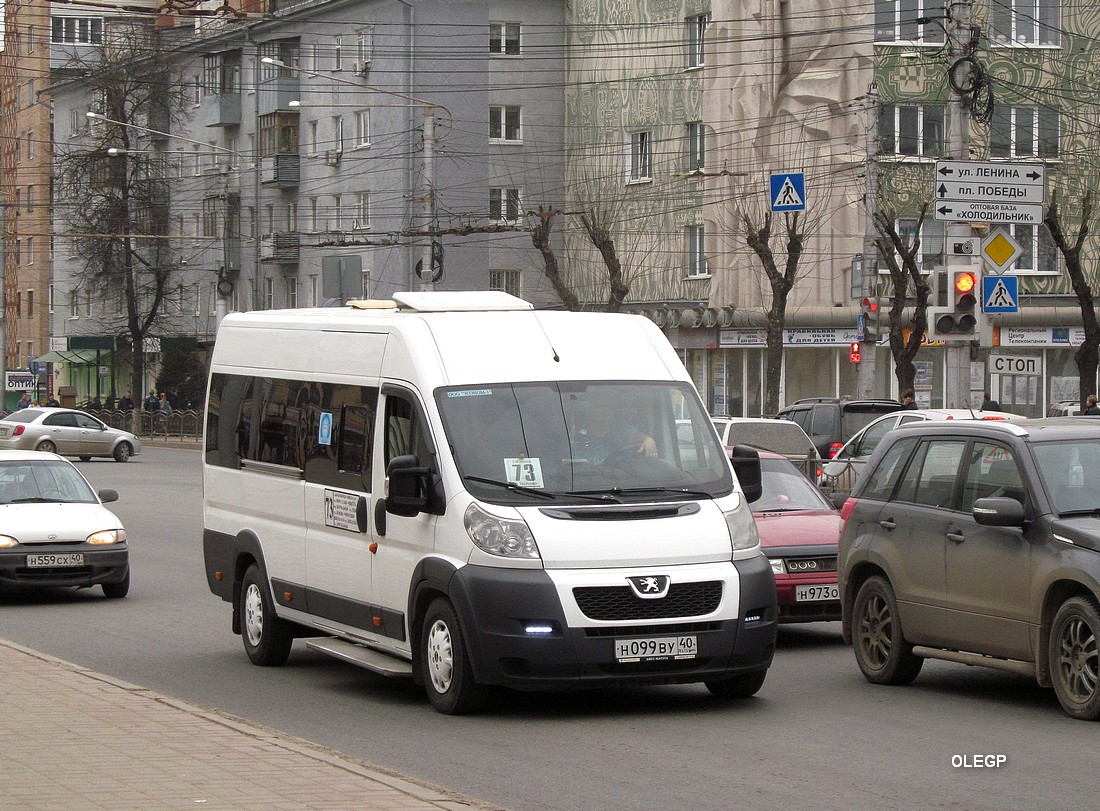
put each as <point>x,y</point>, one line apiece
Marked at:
<point>404,431</point>
<point>342,461</point>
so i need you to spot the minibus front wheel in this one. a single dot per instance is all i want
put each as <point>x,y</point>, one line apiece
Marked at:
<point>449,678</point>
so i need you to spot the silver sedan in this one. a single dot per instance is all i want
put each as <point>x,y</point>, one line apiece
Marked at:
<point>66,431</point>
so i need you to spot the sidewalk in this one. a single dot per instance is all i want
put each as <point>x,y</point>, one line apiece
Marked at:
<point>75,739</point>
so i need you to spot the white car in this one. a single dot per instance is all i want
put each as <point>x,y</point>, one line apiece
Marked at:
<point>54,529</point>
<point>778,436</point>
<point>840,473</point>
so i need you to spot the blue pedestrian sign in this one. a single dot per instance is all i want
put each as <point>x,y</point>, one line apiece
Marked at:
<point>1000,294</point>
<point>788,192</point>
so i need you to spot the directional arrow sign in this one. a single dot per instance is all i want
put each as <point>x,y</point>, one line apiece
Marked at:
<point>977,211</point>
<point>989,191</point>
<point>1024,174</point>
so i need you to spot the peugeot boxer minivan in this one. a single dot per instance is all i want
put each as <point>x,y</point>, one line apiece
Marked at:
<point>460,489</point>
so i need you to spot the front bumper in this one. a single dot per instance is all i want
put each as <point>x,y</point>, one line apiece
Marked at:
<point>793,610</point>
<point>101,564</point>
<point>499,604</point>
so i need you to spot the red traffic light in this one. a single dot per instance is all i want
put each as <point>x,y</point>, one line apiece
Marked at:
<point>965,282</point>
<point>853,355</point>
<point>870,305</point>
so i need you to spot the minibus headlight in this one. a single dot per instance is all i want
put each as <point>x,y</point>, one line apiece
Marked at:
<point>742,528</point>
<point>503,537</point>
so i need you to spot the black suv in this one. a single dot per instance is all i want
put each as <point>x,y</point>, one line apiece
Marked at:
<point>979,543</point>
<point>830,422</point>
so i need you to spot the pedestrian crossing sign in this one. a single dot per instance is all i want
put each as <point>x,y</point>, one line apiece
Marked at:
<point>1000,294</point>
<point>788,191</point>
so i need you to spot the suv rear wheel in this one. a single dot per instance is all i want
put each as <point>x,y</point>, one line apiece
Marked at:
<point>881,650</point>
<point>1075,658</point>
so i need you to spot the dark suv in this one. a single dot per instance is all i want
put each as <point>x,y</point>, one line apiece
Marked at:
<point>979,543</point>
<point>830,422</point>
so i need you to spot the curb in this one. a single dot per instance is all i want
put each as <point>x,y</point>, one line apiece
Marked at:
<point>424,792</point>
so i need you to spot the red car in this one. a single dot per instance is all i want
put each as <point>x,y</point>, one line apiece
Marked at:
<point>799,529</point>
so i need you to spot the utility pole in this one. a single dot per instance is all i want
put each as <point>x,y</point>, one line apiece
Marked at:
<point>869,264</point>
<point>427,256</point>
<point>958,137</point>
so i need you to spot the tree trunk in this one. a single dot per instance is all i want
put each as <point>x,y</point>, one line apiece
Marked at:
<point>540,238</point>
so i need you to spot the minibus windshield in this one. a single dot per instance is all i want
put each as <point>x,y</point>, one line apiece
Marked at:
<point>528,443</point>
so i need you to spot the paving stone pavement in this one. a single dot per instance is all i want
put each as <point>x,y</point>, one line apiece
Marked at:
<point>71,738</point>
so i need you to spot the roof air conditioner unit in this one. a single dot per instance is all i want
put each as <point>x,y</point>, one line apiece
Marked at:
<point>361,68</point>
<point>332,157</point>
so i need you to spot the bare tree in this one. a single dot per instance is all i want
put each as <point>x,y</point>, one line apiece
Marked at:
<point>900,253</point>
<point>1086,355</point>
<point>782,282</point>
<point>115,196</point>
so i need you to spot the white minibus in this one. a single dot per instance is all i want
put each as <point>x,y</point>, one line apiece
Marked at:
<point>458,488</point>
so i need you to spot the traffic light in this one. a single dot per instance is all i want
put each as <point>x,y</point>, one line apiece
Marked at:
<point>959,320</point>
<point>853,352</point>
<point>869,310</point>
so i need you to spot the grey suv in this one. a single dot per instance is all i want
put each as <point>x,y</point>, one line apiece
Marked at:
<point>979,543</point>
<point>830,422</point>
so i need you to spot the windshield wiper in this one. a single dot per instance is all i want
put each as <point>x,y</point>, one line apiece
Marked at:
<point>515,488</point>
<point>1093,511</point>
<point>623,491</point>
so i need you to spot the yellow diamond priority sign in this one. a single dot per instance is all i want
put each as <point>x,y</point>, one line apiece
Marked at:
<point>1000,249</point>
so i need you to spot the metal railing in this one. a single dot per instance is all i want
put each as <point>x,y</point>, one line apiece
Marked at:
<point>178,423</point>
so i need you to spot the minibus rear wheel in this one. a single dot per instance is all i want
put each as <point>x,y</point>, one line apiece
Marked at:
<point>267,639</point>
<point>448,676</point>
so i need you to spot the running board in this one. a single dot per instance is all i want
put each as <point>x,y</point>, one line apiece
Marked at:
<point>373,660</point>
<point>963,658</point>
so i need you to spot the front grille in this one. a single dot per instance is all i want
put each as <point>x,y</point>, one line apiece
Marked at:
<point>621,604</point>
<point>802,565</point>
<point>664,629</point>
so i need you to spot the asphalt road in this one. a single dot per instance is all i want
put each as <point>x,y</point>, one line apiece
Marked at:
<point>817,736</point>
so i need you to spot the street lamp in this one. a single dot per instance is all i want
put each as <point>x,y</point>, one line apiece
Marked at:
<point>224,285</point>
<point>120,151</point>
<point>425,267</point>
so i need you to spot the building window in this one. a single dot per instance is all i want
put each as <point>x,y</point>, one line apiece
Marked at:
<point>1026,22</point>
<point>314,290</point>
<point>1040,256</point>
<point>338,53</point>
<point>311,130</point>
<point>362,128</point>
<point>210,217</point>
<point>695,151</point>
<point>77,30</point>
<point>291,292</point>
<point>504,123</point>
<point>912,130</point>
<point>364,48</point>
<point>278,134</point>
<point>1024,132</point>
<point>269,294</point>
<point>506,281</point>
<point>284,51</point>
<point>337,219</point>
<point>362,210</point>
<point>504,39</point>
<point>364,278</point>
<point>504,205</point>
<point>696,251</point>
<point>30,250</point>
<point>338,134</point>
<point>30,304</point>
<point>313,221</point>
<point>291,216</point>
<point>931,244</point>
<point>897,21</point>
<point>641,155</point>
<point>696,39</point>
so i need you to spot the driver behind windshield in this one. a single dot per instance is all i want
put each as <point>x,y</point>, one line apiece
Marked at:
<point>605,435</point>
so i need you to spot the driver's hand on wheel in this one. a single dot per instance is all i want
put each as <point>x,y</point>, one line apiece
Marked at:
<point>648,447</point>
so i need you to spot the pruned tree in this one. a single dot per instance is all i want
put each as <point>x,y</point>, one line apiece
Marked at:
<point>782,280</point>
<point>114,196</point>
<point>1087,355</point>
<point>900,253</point>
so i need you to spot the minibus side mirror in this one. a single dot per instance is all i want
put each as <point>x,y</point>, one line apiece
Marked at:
<point>409,486</point>
<point>746,464</point>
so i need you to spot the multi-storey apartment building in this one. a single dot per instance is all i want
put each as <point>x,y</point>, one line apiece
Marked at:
<point>337,150</point>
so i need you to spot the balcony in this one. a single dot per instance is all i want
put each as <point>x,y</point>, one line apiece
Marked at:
<point>276,94</point>
<point>221,110</point>
<point>280,170</point>
<point>281,247</point>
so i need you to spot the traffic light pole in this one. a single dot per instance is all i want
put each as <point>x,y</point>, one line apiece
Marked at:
<point>865,377</point>
<point>958,353</point>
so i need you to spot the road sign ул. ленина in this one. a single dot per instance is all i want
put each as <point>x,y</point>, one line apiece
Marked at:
<point>788,191</point>
<point>980,191</point>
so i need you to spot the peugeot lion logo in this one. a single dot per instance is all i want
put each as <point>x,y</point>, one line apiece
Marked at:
<point>650,586</point>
